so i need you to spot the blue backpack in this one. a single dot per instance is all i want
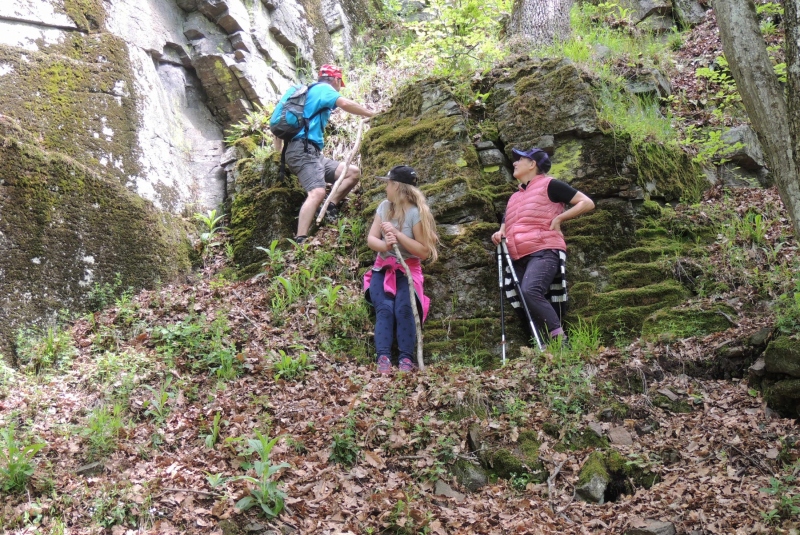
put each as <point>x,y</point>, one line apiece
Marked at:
<point>288,119</point>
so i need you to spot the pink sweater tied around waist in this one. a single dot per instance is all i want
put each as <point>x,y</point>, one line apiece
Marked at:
<point>391,267</point>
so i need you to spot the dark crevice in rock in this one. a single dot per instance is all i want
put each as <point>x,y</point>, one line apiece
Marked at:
<point>37,24</point>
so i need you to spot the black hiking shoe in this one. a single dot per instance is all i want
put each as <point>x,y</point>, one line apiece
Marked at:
<point>300,239</point>
<point>332,214</point>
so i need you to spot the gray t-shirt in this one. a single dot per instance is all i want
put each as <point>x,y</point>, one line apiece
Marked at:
<point>411,219</point>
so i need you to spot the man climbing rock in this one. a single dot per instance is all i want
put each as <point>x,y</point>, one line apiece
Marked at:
<point>305,159</point>
<point>532,227</point>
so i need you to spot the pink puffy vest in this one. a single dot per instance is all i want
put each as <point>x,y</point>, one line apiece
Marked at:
<point>528,216</point>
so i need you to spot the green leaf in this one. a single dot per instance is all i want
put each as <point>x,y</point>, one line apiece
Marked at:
<point>245,503</point>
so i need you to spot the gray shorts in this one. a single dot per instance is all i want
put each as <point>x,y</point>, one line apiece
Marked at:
<point>312,168</point>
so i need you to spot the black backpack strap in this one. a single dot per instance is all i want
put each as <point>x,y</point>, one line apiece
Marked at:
<point>282,170</point>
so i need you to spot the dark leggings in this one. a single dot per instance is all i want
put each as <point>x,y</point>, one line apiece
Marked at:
<point>393,312</point>
<point>535,273</point>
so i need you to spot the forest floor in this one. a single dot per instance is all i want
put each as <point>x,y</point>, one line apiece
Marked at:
<point>127,413</point>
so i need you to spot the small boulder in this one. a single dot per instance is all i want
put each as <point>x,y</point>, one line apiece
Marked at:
<point>443,489</point>
<point>650,527</point>
<point>471,476</point>
<point>620,435</point>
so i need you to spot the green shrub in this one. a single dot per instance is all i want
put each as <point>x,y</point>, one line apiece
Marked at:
<point>16,460</point>
<point>288,368</point>
<point>102,430</point>
<point>38,350</point>
<point>266,493</point>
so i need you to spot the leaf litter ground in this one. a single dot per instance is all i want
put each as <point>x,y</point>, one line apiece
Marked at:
<point>711,461</point>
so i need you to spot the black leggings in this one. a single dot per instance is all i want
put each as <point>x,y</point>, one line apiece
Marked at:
<point>535,273</point>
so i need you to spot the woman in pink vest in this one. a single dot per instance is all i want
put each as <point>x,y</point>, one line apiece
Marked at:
<point>532,227</point>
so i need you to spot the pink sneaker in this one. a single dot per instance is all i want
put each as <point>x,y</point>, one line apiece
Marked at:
<point>384,365</point>
<point>407,366</point>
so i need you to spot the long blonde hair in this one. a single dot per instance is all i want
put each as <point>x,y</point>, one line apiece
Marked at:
<point>414,196</point>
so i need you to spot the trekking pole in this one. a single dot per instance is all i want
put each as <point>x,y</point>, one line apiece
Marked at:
<point>521,297</point>
<point>412,293</point>
<point>502,303</point>
<point>338,182</point>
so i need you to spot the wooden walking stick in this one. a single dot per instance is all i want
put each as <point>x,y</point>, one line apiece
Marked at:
<point>338,182</point>
<point>412,293</point>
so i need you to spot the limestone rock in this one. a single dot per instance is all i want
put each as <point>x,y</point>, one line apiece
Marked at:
<point>651,83</point>
<point>689,13</point>
<point>650,527</point>
<point>620,435</point>
<point>749,155</point>
<point>443,489</point>
<point>593,489</point>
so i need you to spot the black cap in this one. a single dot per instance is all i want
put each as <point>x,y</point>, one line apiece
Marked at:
<point>401,173</point>
<point>537,155</point>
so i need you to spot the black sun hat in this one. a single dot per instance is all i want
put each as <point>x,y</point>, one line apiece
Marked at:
<point>401,173</point>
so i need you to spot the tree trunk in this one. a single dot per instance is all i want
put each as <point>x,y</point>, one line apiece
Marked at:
<point>540,21</point>
<point>762,94</point>
<point>791,19</point>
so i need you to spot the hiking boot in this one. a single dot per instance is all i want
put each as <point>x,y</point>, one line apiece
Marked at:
<point>332,214</point>
<point>384,365</point>
<point>300,239</point>
<point>406,365</point>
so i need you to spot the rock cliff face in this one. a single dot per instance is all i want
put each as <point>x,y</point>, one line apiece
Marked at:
<point>462,155</point>
<point>137,94</point>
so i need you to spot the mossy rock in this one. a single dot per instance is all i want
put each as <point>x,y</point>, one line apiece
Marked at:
<point>505,462</point>
<point>88,15</point>
<point>531,97</point>
<point>667,171</point>
<point>636,275</point>
<point>86,104</point>
<point>784,396</point>
<point>647,253</point>
<point>782,356</point>
<point>471,476</point>
<point>626,309</point>
<point>72,228</point>
<point>263,209</point>
<point>606,475</point>
<point>576,440</point>
<point>671,324</point>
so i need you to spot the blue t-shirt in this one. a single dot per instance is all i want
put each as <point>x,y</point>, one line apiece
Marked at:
<point>319,96</point>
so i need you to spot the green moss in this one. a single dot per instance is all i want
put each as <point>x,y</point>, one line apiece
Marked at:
<point>88,15</point>
<point>633,275</point>
<point>586,438</point>
<point>669,169</point>
<point>567,161</point>
<point>784,396</point>
<point>648,253</point>
<point>81,228</point>
<point>406,131</point>
<point>85,86</point>
<point>675,323</point>
<point>503,463</point>
<point>679,406</point>
<point>618,471</point>
<point>783,356</point>
<point>551,429</point>
<point>529,446</point>
<point>595,465</point>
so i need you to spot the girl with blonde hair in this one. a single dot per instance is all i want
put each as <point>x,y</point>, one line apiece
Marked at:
<point>404,219</point>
